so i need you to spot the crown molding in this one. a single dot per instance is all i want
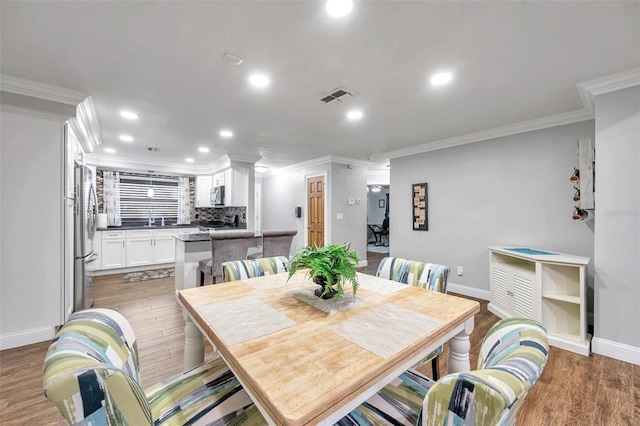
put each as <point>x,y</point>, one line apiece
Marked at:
<point>34,89</point>
<point>87,117</point>
<point>33,112</point>
<point>316,162</point>
<point>588,90</point>
<point>102,162</point>
<point>513,129</point>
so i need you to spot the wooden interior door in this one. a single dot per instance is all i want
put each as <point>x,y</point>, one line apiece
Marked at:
<point>315,209</point>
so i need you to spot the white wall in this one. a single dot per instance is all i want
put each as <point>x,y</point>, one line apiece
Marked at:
<point>512,190</point>
<point>287,190</point>
<point>32,229</point>
<point>617,236</point>
<point>352,228</point>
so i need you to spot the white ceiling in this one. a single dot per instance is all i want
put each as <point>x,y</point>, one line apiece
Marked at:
<point>513,62</point>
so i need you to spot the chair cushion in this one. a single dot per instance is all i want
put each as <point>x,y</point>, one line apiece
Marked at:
<point>206,394</point>
<point>242,269</point>
<point>398,403</point>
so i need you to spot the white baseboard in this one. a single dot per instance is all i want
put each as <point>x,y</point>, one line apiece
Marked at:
<point>468,291</point>
<point>616,350</point>
<point>26,337</point>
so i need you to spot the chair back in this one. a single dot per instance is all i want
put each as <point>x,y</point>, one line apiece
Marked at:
<point>512,357</point>
<point>277,242</point>
<point>419,274</point>
<point>91,371</point>
<point>227,246</point>
<point>242,269</point>
<point>385,226</point>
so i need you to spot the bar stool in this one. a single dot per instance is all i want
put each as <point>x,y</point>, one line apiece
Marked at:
<point>225,246</point>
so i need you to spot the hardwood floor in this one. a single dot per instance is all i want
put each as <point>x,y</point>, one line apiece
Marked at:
<point>573,390</point>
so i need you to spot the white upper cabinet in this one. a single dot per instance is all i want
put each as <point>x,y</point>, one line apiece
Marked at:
<point>203,191</point>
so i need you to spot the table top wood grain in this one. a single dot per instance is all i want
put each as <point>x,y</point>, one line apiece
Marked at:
<point>304,371</point>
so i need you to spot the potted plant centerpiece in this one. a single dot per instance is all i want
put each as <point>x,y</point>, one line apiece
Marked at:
<point>333,264</point>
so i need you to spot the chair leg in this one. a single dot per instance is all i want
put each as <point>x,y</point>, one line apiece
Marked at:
<point>201,282</point>
<point>434,368</point>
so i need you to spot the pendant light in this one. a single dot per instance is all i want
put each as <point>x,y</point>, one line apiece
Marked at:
<point>150,191</point>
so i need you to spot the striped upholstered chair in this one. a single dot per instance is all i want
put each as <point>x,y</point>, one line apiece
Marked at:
<point>512,357</point>
<point>91,375</point>
<point>419,274</point>
<point>241,269</point>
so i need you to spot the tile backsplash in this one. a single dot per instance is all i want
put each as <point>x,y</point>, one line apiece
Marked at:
<point>224,214</point>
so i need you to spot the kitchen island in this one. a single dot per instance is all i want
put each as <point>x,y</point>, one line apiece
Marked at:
<point>191,248</point>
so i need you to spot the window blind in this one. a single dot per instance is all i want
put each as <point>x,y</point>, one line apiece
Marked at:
<point>134,203</point>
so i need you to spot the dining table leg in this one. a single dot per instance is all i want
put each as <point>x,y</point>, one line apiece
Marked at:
<point>459,347</point>
<point>193,345</point>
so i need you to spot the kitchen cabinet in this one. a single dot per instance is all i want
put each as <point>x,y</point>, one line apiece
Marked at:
<point>164,246</point>
<point>136,247</point>
<point>545,286</point>
<point>139,247</point>
<point>236,187</point>
<point>219,179</point>
<point>114,249</point>
<point>150,247</point>
<point>203,190</point>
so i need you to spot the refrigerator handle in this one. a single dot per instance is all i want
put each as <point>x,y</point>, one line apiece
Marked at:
<point>93,213</point>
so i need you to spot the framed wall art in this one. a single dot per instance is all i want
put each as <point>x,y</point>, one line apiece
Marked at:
<point>420,210</point>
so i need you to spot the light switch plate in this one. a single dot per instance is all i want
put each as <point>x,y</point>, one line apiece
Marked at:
<point>339,216</point>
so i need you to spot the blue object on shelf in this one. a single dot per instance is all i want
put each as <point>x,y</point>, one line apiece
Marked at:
<point>530,251</point>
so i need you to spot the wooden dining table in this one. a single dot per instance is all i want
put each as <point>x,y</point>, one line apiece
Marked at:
<point>307,361</point>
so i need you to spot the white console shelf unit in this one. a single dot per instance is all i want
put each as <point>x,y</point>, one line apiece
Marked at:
<point>549,288</point>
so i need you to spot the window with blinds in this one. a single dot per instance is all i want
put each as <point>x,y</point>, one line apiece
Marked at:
<point>135,204</point>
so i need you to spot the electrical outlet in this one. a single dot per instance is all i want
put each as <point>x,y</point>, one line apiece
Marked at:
<point>460,271</point>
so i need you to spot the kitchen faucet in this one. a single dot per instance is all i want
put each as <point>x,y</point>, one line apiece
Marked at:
<point>151,219</point>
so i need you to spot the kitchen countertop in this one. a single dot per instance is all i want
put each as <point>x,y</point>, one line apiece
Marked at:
<point>193,237</point>
<point>203,226</point>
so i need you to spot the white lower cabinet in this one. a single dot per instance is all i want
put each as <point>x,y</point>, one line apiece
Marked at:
<point>114,249</point>
<point>139,247</point>
<point>164,246</point>
<point>150,247</point>
<point>545,286</point>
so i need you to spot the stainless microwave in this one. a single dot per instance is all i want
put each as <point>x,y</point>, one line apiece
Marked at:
<point>217,196</point>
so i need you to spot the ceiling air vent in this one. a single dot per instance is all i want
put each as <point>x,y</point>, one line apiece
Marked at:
<point>337,94</point>
<point>152,149</point>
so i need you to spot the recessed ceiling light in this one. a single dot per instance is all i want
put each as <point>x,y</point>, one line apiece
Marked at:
<point>126,138</point>
<point>110,150</point>
<point>441,78</point>
<point>338,8</point>
<point>203,149</point>
<point>226,133</point>
<point>189,160</point>
<point>261,169</point>
<point>355,114</point>
<point>259,80</point>
<point>129,115</point>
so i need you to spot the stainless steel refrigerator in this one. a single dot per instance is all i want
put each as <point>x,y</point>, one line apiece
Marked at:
<point>86,211</point>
